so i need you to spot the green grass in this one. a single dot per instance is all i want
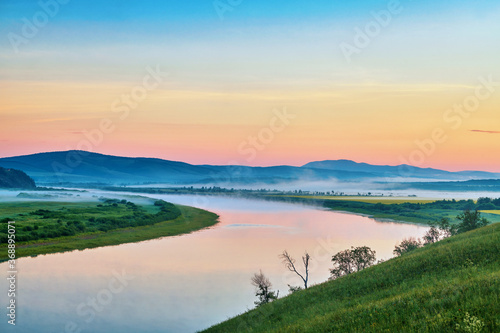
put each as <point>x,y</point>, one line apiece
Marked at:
<point>428,290</point>
<point>191,219</point>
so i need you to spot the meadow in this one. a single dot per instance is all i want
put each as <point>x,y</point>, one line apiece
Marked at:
<point>449,286</point>
<point>49,227</point>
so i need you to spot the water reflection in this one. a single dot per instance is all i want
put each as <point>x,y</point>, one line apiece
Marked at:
<point>189,282</point>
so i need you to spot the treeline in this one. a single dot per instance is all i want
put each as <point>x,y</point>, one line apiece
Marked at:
<point>424,212</point>
<point>112,214</point>
<point>414,209</point>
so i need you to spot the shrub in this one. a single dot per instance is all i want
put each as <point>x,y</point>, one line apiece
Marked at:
<point>407,245</point>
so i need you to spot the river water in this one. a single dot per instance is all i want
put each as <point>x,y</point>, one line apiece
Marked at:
<point>187,283</point>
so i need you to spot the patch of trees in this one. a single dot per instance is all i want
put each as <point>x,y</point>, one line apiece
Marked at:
<point>469,220</point>
<point>356,259</point>
<point>67,223</point>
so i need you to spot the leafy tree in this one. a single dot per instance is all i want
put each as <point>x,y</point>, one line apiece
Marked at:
<point>352,260</point>
<point>263,285</point>
<point>432,235</point>
<point>471,220</point>
<point>407,245</point>
<point>446,228</point>
<point>289,263</point>
<point>481,201</point>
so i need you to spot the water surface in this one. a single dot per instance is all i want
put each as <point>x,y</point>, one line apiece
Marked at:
<point>189,282</point>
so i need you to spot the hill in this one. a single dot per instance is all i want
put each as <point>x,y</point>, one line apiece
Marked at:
<point>432,289</point>
<point>403,170</point>
<point>12,178</point>
<point>80,167</point>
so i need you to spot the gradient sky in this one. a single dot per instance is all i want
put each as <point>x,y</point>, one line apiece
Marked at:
<point>228,76</point>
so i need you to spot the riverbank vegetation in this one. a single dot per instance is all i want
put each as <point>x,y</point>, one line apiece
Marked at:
<point>405,209</point>
<point>452,285</point>
<point>48,227</point>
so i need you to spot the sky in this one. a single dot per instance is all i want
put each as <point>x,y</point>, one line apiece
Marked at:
<point>254,82</point>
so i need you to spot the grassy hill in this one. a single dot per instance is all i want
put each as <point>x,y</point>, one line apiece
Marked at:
<point>12,178</point>
<point>433,289</point>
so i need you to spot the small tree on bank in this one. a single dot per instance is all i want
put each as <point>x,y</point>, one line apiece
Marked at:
<point>263,285</point>
<point>407,245</point>
<point>471,220</point>
<point>350,261</point>
<point>289,263</point>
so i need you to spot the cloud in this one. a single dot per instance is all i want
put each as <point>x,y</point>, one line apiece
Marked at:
<point>489,132</point>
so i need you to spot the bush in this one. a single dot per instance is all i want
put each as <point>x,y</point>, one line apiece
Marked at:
<point>471,220</point>
<point>351,261</point>
<point>407,245</point>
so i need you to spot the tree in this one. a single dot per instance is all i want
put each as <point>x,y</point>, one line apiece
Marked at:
<point>289,263</point>
<point>352,260</point>
<point>263,285</point>
<point>432,235</point>
<point>471,220</point>
<point>407,245</point>
<point>446,228</point>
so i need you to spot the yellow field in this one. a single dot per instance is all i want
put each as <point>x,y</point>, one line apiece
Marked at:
<point>383,200</point>
<point>497,212</point>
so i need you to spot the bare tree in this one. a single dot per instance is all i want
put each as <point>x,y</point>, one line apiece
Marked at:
<point>289,263</point>
<point>263,285</point>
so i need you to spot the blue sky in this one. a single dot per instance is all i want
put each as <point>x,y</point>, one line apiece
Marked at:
<point>263,54</point>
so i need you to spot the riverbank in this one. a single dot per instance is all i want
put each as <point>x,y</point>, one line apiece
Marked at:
<point>415,210</point>
<point>438,288</point>
<point>191,219</point>
<point>407,210</point>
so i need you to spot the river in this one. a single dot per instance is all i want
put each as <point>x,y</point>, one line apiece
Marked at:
<point>187,283</point>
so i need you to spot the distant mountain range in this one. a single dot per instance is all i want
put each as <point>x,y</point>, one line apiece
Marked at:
<point>79,167</point>
<point>11,178</point>
<point>402,170</point>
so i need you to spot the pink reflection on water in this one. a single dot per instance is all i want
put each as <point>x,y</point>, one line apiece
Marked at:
<point>203,275</point>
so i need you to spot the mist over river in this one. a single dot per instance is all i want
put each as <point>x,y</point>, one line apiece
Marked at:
<point>189,282</point>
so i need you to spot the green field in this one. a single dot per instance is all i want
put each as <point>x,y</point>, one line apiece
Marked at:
<point>429,290</point>
<point>422,211</point>
<point>89,224</point>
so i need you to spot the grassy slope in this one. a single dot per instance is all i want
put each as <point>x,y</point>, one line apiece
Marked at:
<point>428,290</point>
<point>192,219</point>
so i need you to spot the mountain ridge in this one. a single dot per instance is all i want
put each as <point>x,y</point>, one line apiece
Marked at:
<point>13,178</point>
<point>76,166</point>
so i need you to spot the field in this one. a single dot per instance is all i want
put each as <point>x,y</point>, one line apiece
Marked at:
<point>495,212</point>
<point>433,289</point>
<point>413,210</point>
<point>382,200</point>
<point>49,227</point>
